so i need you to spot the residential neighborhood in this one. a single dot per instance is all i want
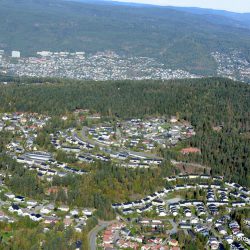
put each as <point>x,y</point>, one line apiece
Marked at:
<point>200,205</point>
<point>106,65</point>
<point>207,214</point>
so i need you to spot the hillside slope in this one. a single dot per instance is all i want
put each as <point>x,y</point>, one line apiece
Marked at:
<point>179,39</point>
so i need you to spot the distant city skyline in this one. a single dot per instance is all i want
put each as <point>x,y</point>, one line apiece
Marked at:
<point>241,6</point>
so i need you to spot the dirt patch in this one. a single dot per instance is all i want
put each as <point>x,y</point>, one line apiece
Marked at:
<point>191,168</point>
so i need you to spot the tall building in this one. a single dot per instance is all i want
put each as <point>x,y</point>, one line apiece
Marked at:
<point>15,54</point>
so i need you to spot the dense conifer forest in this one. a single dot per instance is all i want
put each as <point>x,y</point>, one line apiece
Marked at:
<point>206,103</point>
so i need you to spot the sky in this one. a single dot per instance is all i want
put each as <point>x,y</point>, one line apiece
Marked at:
<point>240,6</point>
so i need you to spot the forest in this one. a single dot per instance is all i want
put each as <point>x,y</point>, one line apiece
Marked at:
<point>206,103</point>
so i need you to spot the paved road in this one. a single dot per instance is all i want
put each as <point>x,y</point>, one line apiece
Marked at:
<point>102,145</point>
<point>174,227</point>
<point>173,200</point>
<point>93,233</point>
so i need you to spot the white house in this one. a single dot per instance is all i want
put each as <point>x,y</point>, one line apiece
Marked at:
<point>63,208</point>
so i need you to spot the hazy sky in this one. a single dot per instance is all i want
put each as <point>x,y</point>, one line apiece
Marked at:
<point>230,5</point>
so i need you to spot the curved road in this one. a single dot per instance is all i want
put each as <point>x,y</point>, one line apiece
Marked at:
<point>93,233</point>
<point>94,142</point>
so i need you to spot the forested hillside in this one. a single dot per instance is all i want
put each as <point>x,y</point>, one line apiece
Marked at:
<point>205,102</point>
<point>178,38</point>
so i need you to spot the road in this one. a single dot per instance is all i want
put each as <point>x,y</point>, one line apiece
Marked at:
<point>174,227</point>
<point>93,233</point>
<point>102,145</point>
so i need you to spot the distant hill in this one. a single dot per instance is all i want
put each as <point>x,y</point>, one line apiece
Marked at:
<point>234,19</point>
<point>178,37</point>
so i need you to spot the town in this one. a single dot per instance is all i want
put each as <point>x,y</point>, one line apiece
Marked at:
<point>108,65</point>
<point>201,205</point>
<point>102,66</point>
<point>129,144</point>
<point>232,65</point>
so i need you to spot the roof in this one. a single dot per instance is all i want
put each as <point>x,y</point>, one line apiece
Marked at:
<point>190,150</point>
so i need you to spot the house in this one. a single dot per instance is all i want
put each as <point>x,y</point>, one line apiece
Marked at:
<point>221,230</point>
<point>3,215</point>
<point>173,243</point>
<point>127,205</point>
<point>15,208</point>
<point>204,232</point>
<point>19,198</point>
<point>234,194</point>
<point>79,227</point>
<point>203,185</point>
<point>26,212</point>
<point>127,211</point>
<point>74,212</point>
<point>237,246</point>
<point>117,205</point>
<point>228,239</point>
<point>161,211</point>
<point>146,200</point>
<point>175,204</point>
<point>244,197</point>
<point>204,176</point>
<point>197,203</point>
<point>193,176</point>
<point>185,226</point>
<point>47,209</point>
<point>238,204</point>
<point>71,149</point>
<point>194,220</point>
<point>38,156</point>
<point>146,208</point>
<point>200,210</point>
<point>179,187</point>
<point>245,191</point>
<point>160,193</point>
<point>171,178</point>
<point>247,221</point>
<point>198,228</point>
<point>182,176</point>
<point>137,203</point>
<point>215,185</point>
<point>213,243</point>
<point>185,203</point>
<point>187,212</point>
<point>87,212</point>
<point>174,210</point>
<point>50,219</point>
<point>63,208</point>
<point>10,195</point>
<point>67,221</point>
<point>35,217</point>
<point>157,202</point>
<point>234,224</point>
<point>190,150</point>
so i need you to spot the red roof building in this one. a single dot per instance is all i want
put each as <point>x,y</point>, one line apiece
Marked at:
<point>190,151</point>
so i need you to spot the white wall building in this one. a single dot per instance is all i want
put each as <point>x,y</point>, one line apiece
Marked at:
<point>15,54</point>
